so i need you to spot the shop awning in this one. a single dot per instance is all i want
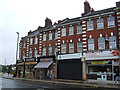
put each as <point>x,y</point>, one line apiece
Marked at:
<point>43,64</point>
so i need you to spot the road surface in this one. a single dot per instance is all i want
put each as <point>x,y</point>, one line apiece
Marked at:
<point>9,84</point>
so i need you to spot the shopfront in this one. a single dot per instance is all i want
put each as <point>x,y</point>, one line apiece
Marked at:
<point>20,68</point>
<point>102,65</point>
<point>45,69</point>
<point>69,66</point>
<point>29,67</point>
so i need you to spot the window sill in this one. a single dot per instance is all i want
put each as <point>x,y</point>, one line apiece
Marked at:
<point>71,34</point>
<point>111,26</point>
<point>100,28</point>
<point>90,30</point>
<point>79,33</point>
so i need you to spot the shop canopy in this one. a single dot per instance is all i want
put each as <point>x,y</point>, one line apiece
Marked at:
<point>43,64</point>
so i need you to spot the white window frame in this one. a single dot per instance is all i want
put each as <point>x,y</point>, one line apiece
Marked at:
<point>63,48</point>
<point>71,47</point>
<point>100,23</point>
<point>44,51</point>
<point>24,44</point>
<point>31,40</point>
<point>79,29</point>
<point>79,46</point>
<point>30,53</point>
<point>23,54</point>
<point>35,52</point>
<point>91,45</point>
<point>71,30</point>
<point>50,35</point>
<point>56,35</point>
<point>36,40</point>
<point>111,21</point>
<point>50,50</point>
<point>112,42</point>
<point>63,31</point>
<point>101,43</point>
<point>90,25</point>
<point>55,50</point>
<point>44,37</point>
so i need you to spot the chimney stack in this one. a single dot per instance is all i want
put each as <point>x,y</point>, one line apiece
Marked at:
<point>118,4</point>
<point>87,7</point>
<point>48,22</point>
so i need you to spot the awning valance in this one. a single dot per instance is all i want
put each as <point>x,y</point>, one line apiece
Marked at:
<point>43,64</point>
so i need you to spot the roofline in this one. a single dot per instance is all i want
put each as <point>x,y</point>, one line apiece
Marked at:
<point>86,17</point>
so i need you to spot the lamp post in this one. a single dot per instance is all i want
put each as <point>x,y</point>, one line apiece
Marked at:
<point>17,50</point>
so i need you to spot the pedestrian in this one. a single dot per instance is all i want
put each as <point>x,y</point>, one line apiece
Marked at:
<point>8,73</point>
<point>33,73</point>
<point>19,73</point>
<point>117,77</point>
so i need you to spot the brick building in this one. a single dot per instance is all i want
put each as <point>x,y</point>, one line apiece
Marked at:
<point>85,47</point>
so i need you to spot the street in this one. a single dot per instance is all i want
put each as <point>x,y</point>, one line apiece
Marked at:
<point>9,84</point>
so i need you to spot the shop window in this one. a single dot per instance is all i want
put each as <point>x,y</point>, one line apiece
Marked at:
<point>63,47</point>
<point>63,31</point>
<point>44,51</point>
<point>91,44</point>
<point>79,29</point>
<point>90,25</point>
<point>112,42</point>
<point>100,23</point>
<point>79,46</point>
<point>71,47</point>
<point>50,50</point>
<point>71,30</point>
<point>101,43</point>
<point>111,21</point>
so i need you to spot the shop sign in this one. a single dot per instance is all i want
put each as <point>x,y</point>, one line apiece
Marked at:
<point>70,56</point>
<point>46,59</point>
<point>98,62</point>
<point>30,59</point>
<point>111,54</point>
<point>19,61</point>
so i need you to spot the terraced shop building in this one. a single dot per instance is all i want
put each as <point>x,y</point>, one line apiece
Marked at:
<point>85,47</point>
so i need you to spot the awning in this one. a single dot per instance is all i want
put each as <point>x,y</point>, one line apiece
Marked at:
<point>43,64</point>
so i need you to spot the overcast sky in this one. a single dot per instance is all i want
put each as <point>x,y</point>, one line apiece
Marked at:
<point>24,15</point>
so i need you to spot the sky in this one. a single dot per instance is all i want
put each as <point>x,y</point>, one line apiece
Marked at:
<point>25,15</point>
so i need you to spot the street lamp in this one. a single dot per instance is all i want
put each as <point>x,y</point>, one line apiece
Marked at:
<point>17,50</point>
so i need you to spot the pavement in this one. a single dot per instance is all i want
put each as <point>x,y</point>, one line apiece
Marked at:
<point>78,83</point>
